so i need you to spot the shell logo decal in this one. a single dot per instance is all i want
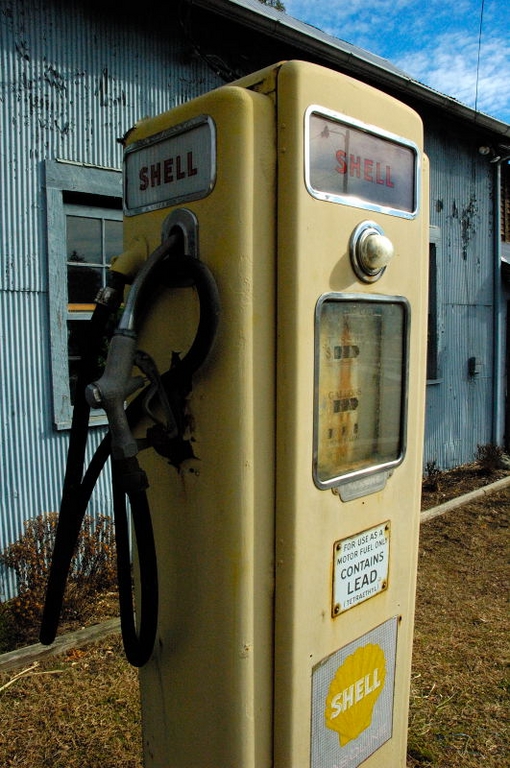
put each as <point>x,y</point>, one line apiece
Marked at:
<point>353,692</point>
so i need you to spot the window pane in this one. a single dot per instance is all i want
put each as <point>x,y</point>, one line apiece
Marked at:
<point>84,240</point>
<point>83,283</point>
<point>112,238</point>
<point>76,338</point>
<point>432,332</point>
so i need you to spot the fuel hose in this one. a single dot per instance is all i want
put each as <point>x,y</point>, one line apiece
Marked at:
<point>128,479</point>
<point>73,504</point>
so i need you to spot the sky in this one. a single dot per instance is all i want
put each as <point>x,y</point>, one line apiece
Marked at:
<point>437,42</point>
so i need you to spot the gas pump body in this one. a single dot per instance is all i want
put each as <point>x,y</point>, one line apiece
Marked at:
<point>312,524</point>
<point>207,693</point>
<point>287,540</point>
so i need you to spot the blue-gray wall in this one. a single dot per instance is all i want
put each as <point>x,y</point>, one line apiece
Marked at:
<point>460,407</point>
<point>72,81</point>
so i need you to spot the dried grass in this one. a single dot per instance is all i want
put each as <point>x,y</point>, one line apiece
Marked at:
<point>459,691</point>
<point>81,710</point>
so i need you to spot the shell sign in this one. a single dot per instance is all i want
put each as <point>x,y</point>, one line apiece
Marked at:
<point>353,692</point>
<point>352,699</point>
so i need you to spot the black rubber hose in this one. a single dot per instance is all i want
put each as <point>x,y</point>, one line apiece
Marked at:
<point>71,514</point>
<point>138,644</point>
<point>209,302</point>
<point>77,491</point>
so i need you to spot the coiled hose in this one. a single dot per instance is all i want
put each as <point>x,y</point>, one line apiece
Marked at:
<point>128,479</point>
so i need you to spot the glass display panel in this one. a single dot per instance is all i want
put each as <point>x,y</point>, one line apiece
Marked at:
<point>174,166</point>
<point>354,164</point>
<point>360,381</point>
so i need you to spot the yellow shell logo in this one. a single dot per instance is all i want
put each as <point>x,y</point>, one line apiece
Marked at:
<point>353,692</point>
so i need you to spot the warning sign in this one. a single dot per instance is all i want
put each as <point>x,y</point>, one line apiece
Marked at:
<point>360,567</point>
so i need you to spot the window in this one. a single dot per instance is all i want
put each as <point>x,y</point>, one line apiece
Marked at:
<point>433,332</point>
<point>93,236</point>
<point>84,220</point>
<point>505,203</point>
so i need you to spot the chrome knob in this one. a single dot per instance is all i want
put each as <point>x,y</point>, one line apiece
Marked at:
<point>371,251</point>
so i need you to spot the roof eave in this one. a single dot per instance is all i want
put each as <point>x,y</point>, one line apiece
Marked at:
<point>331,50</point>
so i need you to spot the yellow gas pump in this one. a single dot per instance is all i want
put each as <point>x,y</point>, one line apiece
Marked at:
<point>286,524</point>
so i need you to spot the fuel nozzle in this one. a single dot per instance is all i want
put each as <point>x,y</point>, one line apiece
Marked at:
<point>113,388</point>
<point>117,382</point>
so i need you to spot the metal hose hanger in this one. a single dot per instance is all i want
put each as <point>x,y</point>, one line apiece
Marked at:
<point>129,480</point>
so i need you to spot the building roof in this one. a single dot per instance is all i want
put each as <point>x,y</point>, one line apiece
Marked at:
<point>338,53</point>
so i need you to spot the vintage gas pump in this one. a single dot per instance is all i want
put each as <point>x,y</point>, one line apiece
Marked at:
<point>286,520</point>
<point>287,538</point>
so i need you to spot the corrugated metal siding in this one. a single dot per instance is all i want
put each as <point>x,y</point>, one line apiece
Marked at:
<point>72,82</point>
<point>71,85</point>
<point>459,411</point>
<point>32,456</point>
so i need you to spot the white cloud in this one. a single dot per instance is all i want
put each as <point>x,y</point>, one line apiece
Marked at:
<point>354,21</point>
<point>434,42</point>
<point>449,65</point>
<point>376,24</point>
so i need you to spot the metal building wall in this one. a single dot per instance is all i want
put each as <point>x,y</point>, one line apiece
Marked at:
<point>71,82</point>
<point>459,409</point>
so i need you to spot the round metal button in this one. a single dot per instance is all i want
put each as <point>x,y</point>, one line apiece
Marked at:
<point>371,251</point>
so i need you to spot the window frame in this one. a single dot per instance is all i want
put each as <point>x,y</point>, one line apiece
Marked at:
<point>98,184</point>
